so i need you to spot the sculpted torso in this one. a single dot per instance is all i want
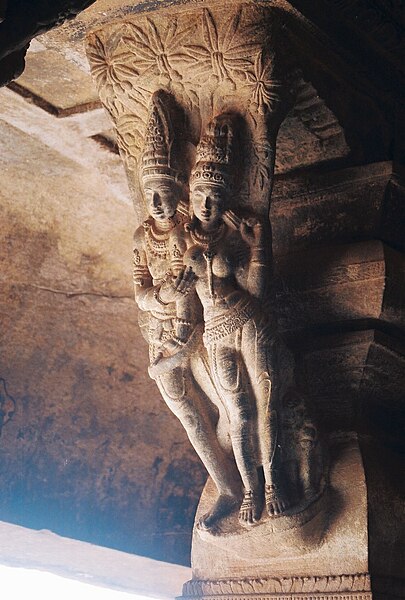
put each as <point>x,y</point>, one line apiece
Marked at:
<point>216,285</point>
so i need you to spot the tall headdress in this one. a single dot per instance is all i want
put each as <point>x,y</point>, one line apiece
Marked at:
<point>156,156</point>
<point>214,154</point>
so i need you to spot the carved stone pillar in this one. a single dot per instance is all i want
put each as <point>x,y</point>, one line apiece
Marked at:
<point>197,94</point>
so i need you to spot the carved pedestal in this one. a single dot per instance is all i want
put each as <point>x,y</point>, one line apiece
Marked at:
<point>329,538</point>
<point>231,285</point>
<point>355,552</point>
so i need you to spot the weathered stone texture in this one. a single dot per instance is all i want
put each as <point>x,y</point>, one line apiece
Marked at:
<point>55,84</point>
<point>91,452</point>
<point>318,545</point>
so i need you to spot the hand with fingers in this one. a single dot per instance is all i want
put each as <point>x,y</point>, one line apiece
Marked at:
<point>177,287</point>
<point>252,232</point>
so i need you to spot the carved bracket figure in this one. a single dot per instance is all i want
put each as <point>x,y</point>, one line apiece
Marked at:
<point>211,61</point>
<point>197,98</point>
<point>250,366</point>
<point>204,289</point>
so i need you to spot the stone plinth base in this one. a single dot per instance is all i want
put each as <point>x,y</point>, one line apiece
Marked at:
<point>328,538</point>
<point>320,553</point>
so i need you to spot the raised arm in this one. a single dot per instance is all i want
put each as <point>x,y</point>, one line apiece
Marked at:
<point>259,269</point>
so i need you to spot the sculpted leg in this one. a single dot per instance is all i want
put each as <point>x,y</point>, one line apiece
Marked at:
<point>256,345</point>
<point>233,386</point>
<point>184,400</point>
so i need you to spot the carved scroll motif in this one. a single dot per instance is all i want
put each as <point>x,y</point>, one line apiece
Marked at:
<point>349,584</point>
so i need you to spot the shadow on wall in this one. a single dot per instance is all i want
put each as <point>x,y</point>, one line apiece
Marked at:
<point>7,405</point>
<point>39,504</point>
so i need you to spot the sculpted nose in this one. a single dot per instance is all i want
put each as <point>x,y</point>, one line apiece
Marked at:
<point>207,202</point>
<point>156,199</point>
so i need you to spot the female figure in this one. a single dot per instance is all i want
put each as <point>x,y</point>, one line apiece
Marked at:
<point>230,260</point>
<point>171,313</point>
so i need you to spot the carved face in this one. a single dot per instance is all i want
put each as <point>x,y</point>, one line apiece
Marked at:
<point>161,198</point>
<point>208,202</point>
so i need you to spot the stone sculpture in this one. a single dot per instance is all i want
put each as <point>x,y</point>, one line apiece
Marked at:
<point>264,525</point>
<point>205,293</point>
<point>170,314</point>
<point>203,287</point>
<point>236,335</point>
<point>250,366</point>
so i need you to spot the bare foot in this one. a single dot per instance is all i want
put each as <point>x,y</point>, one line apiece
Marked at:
<point>276,503</point>
<point>250,510</point>
<point>222,508</point>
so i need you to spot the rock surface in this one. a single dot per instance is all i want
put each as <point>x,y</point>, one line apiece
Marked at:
<point>91,451</point>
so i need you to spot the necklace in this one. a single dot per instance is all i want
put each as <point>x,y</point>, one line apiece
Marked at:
<point>207,239</point>
<point>157,241</point>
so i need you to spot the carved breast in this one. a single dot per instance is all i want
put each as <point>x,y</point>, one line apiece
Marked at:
<point>194,258</point>
<point>222,262</point>
<point>222,265</point>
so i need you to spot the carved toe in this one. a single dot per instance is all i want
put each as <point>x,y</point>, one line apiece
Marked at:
<point>249,512</point>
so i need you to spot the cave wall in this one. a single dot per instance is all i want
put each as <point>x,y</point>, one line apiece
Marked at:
<point>91,451</point>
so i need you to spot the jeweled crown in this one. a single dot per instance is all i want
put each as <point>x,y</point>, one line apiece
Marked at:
<point>158,140</point>
<point>214,153</point>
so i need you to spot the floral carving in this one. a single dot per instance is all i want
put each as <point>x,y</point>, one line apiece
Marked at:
<point>115,76</point>
<point>110,70</point>
<point>265,89</point>
<point>158,53</point>
<point>226,51</point>
<point>130,129</point>
<point>207,59</point>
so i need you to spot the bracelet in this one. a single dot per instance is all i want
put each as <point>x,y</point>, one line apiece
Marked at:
<point>158,298</point>
<point>182,322</point>
<point>258,254</point>
<point>178,341</point>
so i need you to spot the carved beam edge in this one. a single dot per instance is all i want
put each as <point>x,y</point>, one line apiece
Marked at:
<point>360,586</point>
<point>340,587</point>
<point>305,596</point>
<point>332,584</point>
